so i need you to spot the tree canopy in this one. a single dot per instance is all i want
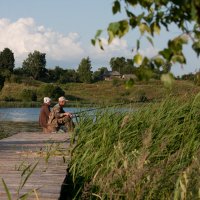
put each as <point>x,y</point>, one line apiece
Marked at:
<point>35,64</point>
<point>84,70</point>
<point>7,60</point>
<point>122,65</point>
<point>152,17</point>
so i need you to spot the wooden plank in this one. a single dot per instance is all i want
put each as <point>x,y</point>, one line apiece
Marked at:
<point>26,149</point>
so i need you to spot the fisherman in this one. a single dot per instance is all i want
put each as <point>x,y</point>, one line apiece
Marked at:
<point>44,114</point>
<point>58,117</point>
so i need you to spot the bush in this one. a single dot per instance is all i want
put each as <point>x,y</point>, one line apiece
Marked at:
<point>51,91</point>
<point>28,95</point>
<point>31,82</point>
<point>126,93</point>
<point>115,82</point>
<point>15,79</point>
<point>9,98</point>
<point>2,80</point>
<point>142,97</point>
<point>197,78</point>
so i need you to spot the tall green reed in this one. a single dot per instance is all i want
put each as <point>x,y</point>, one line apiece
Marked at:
<point>138,155</point>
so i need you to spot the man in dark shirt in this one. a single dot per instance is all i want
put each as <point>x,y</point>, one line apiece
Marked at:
<point>44,114</point>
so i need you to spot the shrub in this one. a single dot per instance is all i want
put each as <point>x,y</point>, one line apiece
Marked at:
<point>115,82</point>
<point>28,95</point>
<point>15,79</point>
<point>9,98</point>
<point>126,93</point>
<point>197,78</point>
<point>51,91</point>
<point>2,79</point>
<point>141,96</point>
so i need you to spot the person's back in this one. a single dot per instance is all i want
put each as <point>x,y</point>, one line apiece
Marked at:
<point>44,114</point>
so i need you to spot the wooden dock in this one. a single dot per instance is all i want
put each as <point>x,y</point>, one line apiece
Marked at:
<point>33,164</point>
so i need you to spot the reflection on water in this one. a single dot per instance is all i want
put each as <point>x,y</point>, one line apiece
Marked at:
<point>32,114</point>
<point>25,114</point>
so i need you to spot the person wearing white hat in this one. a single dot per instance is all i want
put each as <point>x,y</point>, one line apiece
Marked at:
<point>58,117</point>
<point>44,114</point>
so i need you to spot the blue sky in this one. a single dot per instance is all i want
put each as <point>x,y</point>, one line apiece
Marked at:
<point>63,29</point>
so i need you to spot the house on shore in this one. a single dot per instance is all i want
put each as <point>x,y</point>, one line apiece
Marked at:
<point>110,75</point>
<point>129,76</point>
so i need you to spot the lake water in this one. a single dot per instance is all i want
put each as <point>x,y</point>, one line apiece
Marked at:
<point>26,114</point>
<point>32,114</point>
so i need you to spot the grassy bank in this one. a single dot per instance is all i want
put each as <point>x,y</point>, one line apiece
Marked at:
<point>100,93</point>
<point>153,153</point>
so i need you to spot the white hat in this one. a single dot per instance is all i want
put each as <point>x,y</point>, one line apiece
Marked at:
<point>62,99</point>
<point>47,99</point>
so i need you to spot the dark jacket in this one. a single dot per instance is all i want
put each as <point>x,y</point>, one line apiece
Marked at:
<point>44,115</point>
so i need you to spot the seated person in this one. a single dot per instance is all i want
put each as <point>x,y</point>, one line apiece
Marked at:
<point>58,117</point>
<point>44,114</point>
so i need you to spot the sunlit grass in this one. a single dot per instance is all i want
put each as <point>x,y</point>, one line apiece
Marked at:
<point>99,93</point>
<point>149,154</point>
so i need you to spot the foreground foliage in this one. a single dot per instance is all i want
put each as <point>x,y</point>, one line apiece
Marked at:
<point>149,18</point>
<point>152,153</point>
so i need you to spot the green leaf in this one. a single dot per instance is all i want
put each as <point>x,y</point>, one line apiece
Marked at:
<point>124,28</point>
<point>116,7</point>
<point>194,12</point>
<point>167,80</point>
<point>111,37</point>
<point>112,31</point>
<point>166,53</point>
<point>158,61</point>
<point>138,59</point>
<point>145,62</point>
<point>129,83</point>
<point>196,47</point>
<point>149,17</point>
<point>93,41</point>
<point>100,44</point>
<point>98,33</point>
<point>138,45</point>
<point>183,39</point>
<point>132,2</point>
<point>144,28</point>
<point>178,58</point>
<point>6,189</point>
<point>150,40</point>
<point>197,34</point>
<point>133,21</point>
<point>155,28</point>
<point>117,29</point>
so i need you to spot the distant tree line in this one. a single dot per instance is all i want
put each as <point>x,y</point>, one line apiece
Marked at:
<point>34,67</point>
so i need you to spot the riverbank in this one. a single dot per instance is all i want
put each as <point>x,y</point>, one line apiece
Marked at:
<point>97,94</point>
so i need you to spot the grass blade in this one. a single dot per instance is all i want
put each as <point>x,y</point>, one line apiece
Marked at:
<point>6,189</point>
<point>29,174</point>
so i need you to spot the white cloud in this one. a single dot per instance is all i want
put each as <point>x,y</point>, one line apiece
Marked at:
<point>24,36</point>
<point>118,48</point>
<point>149,52</point>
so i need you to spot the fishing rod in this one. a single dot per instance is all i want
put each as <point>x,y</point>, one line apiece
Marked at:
<point>76,114</point>
<point>108,106</point>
